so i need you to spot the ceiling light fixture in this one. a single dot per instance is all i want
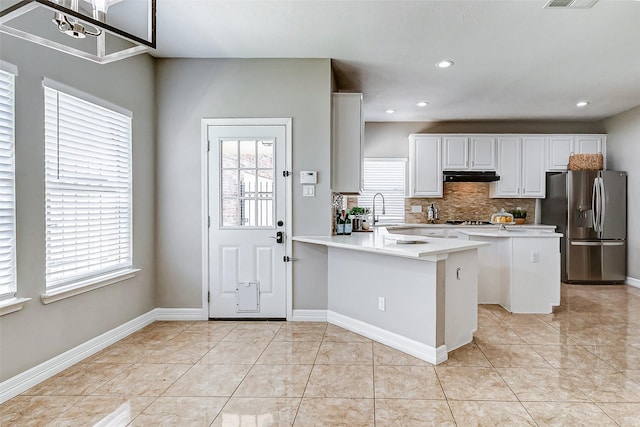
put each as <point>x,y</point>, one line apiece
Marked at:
<point>444,64</point>
<point>422,104</point>
<point>130,29</point>
<point>582,104</point>
<point>390,111</point>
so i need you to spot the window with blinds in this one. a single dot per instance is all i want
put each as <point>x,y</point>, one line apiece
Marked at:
<point>7,187</point>
<point>386,176</point>
<point>88,190</point>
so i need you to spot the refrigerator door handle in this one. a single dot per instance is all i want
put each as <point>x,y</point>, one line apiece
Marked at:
<point>586,243</point>
<point>602,203</point>
<point>594,220</point>
<point>597,243</point>
<point>597,185</point>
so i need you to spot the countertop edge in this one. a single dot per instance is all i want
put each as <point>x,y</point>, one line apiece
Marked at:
<point>415,251</point>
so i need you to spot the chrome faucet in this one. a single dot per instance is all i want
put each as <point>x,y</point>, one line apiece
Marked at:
<point>374,207</point>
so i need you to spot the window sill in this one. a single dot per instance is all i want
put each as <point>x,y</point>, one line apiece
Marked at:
<point>12,305</point>
<point>87,285</point>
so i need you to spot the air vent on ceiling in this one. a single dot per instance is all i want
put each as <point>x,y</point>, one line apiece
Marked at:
<point>572,4</point>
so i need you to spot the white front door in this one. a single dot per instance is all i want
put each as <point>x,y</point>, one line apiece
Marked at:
<point>247,210</point>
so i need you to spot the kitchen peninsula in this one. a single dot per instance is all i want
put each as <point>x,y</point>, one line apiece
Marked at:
<point>413,293</point>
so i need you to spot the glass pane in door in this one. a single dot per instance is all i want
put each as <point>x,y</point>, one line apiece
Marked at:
<point>247,183</point>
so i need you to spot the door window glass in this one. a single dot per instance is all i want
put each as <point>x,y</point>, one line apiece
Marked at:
<point>246,180</point>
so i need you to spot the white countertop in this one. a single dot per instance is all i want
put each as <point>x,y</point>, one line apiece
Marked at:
<point>475,227</point>
<point>381,242</point>
<point>511,233</point>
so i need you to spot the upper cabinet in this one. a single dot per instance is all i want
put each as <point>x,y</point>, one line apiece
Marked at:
<point>425,166</point>
<point>455,152</point>
<point>561,147</point>
<point>483,153</point>
<point>347,141</point>
<point>588,144</point>
<point>521,162</point>
<point>469,152</point>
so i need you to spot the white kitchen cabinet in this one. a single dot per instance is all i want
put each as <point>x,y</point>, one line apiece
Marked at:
<point>455,152</point>
<point>509,169</point>
<point>483,153</point>
<point>588,144</point>
<point>425,166</point>
<point>347,141</point>
<point>561,146</point>
<point>533,174</point>
<point>475,152</point>
<point>521,167</point>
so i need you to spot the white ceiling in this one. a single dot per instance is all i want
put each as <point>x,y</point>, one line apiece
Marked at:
<point>513,59</point>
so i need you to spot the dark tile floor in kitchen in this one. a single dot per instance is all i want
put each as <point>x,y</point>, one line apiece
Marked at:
<point>578,366</point>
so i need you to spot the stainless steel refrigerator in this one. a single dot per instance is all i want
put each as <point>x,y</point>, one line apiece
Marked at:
<point>590,209</point>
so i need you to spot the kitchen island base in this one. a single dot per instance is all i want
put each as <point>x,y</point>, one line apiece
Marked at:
<point>519,271</point>
<point>419,299</point>
<point>428,307</point>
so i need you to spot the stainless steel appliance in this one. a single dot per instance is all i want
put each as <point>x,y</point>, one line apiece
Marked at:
<point>590,209</point>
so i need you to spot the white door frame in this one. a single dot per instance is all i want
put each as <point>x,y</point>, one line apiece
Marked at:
<point>286,122</point>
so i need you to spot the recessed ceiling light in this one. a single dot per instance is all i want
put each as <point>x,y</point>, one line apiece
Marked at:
<point>444,64</point>
<point>582,103</point>
<point>390,111</point>
<point>422,104</point>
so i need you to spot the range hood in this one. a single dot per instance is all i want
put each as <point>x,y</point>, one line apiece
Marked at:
<point>469,176</point>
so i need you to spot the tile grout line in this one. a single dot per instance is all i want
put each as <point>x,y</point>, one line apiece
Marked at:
<point>309,378</point>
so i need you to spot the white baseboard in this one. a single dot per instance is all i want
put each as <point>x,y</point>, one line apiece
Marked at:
<point>633,282</point>
<point>417,349</point>
<point>29,378</point>
<point>180,314</point>
<point>309,316</point>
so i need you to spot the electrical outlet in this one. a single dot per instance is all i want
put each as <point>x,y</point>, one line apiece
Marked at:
<point>381,303</point>
<point>416,209</point>
<point>535,256</point>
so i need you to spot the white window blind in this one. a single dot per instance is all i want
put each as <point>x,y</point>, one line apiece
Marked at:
<point>88,189</point>
<point>386,176</point>
<point>7,187</point>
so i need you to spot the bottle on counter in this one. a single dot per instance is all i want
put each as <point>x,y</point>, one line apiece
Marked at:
<point>348,226</point>
<point>431,213</point>
<point>340,224</point>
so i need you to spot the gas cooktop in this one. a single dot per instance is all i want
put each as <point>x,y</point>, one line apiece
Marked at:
<point>468,222</point>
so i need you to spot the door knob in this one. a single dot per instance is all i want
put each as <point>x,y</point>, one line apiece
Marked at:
<point>279,237</point>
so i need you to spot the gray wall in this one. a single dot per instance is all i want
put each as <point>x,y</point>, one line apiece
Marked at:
<point>389,139</point>
<point>623,153</point>
<point>40,332</point>
<point>189,90</point>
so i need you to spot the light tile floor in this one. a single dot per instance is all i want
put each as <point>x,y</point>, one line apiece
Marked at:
<point>578,366</point>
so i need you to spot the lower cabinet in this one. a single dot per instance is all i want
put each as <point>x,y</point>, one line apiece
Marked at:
<point>425,166</point>
<point>521,166</point>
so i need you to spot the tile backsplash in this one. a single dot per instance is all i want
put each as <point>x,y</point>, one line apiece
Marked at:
<point>466,201</point>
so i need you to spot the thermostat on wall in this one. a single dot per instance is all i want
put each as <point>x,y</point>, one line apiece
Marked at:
<point>308,177</point>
